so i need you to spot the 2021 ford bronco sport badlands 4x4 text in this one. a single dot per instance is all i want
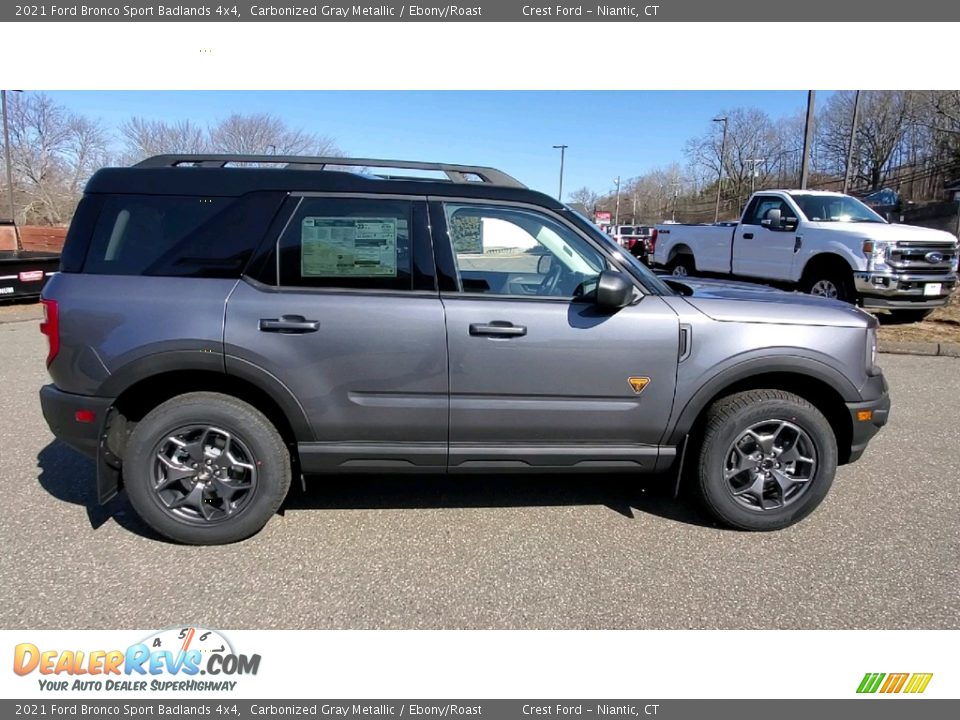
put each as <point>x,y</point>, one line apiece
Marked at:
<point>219,325</point>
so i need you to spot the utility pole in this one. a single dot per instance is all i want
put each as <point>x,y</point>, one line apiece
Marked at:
<point>807,139</point>
<point>853,136</point>
<point>723,150</point>
<point>676,192</point>
<point>562,149</point>
<point>616,219</point>
<point>633,215</point>
<point>753,173</point>
<point>6,147</point>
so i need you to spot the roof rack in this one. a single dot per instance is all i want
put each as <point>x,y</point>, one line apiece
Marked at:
<point>454,173</point>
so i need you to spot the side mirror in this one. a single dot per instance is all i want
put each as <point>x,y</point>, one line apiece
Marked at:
<point>614,290</point>
<point>773,220</point>
<point>544,264</point>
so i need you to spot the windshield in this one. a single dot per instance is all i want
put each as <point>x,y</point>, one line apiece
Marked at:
<point>835,208</point>
<point>646,275</point>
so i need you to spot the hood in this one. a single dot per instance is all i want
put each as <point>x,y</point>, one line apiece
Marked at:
<point>726,301</point>
<point>891,232</point>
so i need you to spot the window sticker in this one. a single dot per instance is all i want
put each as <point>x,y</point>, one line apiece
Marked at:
<point>348,247</point>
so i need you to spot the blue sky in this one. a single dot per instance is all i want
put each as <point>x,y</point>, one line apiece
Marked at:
<point>609,133</point>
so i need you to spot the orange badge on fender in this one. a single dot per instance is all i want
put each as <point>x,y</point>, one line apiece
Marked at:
<point>637,384</point>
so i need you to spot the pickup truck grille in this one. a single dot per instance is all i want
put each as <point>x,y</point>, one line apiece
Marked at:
<point>931,258</point>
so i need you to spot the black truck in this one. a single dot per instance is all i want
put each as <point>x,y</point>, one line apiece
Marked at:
<point>23,273</point>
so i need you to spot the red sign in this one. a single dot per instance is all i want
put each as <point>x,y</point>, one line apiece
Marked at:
<point>602,217</point>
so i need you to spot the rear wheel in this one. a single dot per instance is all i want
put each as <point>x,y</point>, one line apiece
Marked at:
<point>206,469</point>
<point>681,266</point>
<point>767,459</point>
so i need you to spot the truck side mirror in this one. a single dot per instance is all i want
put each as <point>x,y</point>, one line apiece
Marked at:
<point>614,290</point>
<point>773,219</point>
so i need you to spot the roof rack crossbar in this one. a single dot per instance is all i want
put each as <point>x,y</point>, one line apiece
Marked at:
<point>454,173</point>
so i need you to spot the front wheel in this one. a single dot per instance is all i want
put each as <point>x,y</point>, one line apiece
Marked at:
<point>206,469</point>
<point>767,459</point>
<point>833,284</point>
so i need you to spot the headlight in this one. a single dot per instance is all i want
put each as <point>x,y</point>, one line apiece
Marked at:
<point>876,252</point>
<point>871,351</point>
<point>956,257</point>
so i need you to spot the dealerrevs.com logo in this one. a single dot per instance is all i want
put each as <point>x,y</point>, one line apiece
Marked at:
<point>171,659</point>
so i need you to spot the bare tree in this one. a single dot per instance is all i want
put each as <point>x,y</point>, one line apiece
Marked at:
<point>264,134</point>
<point>584,196</point>
<point>54,151</point>
<point>752,142</point>
<point>880,130</point>
<point>143,138</point>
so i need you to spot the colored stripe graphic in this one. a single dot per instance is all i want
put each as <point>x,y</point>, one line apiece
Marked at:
<point>918,682</point>
<point>894,682</point>
<point>870,682</point>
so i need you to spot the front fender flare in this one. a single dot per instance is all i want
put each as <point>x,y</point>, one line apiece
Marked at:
<point>727,376</point>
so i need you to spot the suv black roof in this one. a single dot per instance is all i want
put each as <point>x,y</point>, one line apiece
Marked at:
<point>233,175</point>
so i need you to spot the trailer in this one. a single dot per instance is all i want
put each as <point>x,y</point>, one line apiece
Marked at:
<point>24,272</point>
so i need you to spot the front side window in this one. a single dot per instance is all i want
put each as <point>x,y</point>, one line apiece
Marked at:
<point>760,209</point>
<point>511,251</point>
<point>347,243</point>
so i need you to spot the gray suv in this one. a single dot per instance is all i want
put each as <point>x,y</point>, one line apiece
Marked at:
<point>222,324</point>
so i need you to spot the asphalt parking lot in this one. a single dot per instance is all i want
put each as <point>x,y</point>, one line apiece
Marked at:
<point>492,552</point>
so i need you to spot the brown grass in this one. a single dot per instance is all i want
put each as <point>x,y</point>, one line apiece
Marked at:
<point>943,325</point>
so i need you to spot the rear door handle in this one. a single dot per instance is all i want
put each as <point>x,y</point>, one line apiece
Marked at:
<point>748,236</point>
<point>498,329</point>
<point>290,324</point>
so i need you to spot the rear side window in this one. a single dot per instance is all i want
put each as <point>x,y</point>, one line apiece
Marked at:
<point>351,243</point>
<point>178,236</point>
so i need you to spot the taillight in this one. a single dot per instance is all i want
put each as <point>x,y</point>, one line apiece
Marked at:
<point>653,240</point>
<point>51,328</point>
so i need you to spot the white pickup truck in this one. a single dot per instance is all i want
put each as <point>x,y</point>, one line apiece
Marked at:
<point>824,243</point>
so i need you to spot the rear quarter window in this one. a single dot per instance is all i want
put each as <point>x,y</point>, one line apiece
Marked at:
<point>178,236</point>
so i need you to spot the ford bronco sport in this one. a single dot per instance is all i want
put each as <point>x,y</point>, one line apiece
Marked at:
<point>222,324</point>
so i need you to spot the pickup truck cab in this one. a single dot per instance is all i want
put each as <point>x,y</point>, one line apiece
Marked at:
<point>824,243</point>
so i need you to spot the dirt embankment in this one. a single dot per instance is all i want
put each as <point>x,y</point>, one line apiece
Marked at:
<point>942,325</point>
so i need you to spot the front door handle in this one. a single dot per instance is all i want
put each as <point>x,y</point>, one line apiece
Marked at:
<point>290,324</point>
<point>498,328</point>
<point>748,236</point>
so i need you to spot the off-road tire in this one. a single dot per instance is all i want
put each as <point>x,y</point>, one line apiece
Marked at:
<point>246,423</point>
<point>726,420</point>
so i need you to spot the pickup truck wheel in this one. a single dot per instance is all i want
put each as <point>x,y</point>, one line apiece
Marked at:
<point>681,266</point>
<point>830,284</point>
<point>206,469</point>
<point>767,459</point>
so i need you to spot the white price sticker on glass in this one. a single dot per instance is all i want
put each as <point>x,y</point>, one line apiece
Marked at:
<point>348,247</point>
